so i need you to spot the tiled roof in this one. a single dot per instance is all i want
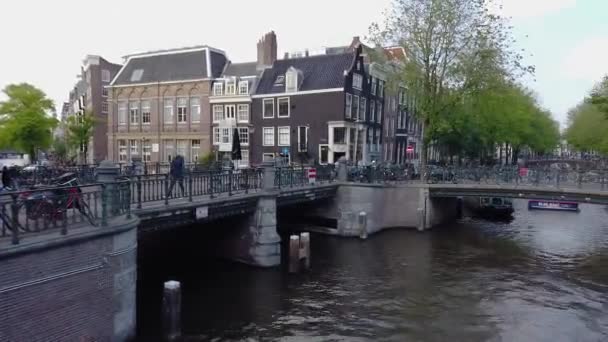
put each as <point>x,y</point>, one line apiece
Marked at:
<point>319,72</point>
<point>173,66</point>
<point>242,69</point>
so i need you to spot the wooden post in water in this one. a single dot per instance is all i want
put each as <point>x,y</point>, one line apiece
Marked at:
<point>305,249</point>
<point>294,254</point>
<point>172,307</point>
<point>363,225</point>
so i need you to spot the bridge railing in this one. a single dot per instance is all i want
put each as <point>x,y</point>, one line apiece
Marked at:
<point>28,213</point>
<point>289,176</point>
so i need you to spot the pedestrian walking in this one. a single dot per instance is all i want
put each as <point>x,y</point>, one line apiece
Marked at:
<point>177,174</point>
<point>6,178</point>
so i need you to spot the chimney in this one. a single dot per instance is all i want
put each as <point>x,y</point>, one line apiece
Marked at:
<point>267,50</point>
<point>306,53</point>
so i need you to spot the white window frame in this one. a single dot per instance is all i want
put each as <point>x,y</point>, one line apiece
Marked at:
<point>279,100</point>
<point>264,114</point>
<point>122,150</point>
<point>195,109</point>
<point>242,109</point>
<point>146,112</point>
<point>105,73</point>
<point>134,109</point>
<point>288,136</point>
<point>306,138</point>
<point>167,143</point>
<point>348,106</point>
<point>291,81</point>
<point>244,162</point>
<point>218,89</point>
<point>182,110</point>
<point>374,85</point>
<point>230,112</point>
<point>218,113</point>
<point>168,104</point>
<point>122,112</point>
<point>147,151</point>
<point>372,111</point>
<point>363,108</point>
<point>320,154</point>
<point>216,136</point>
<point>194,156</point>
<point>104,92</point>
<point>270,129</point>
<point>104,107</point>
<point>133,147</point>
<point>244,135</point>
<point>380,88</point>
<point>230,87</point>
<point>226,135</point>
<point>264,155</point>
<point>243,88</point>
<point>355,114</point>
<point>357,81</point>
<point>379,112</point>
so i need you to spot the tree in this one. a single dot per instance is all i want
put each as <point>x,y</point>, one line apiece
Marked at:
<point>587,128</point>
<point>599,96</point>
<point>454,49</point>
<point>79,133</point>
<point>26,120</point>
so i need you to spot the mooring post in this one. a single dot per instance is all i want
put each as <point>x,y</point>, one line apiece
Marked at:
<point>294,254</point>
<point>363,225</point>
<point>305,249</point>
<point>172,306</point>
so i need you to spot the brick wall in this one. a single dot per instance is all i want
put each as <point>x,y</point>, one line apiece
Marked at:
<point>72,291</point>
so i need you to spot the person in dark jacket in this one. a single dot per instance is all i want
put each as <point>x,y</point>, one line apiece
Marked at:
<point>177,174</point>
<point>6,178</point>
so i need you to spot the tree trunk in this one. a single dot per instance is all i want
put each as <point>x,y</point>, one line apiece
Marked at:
<point>423,152</point>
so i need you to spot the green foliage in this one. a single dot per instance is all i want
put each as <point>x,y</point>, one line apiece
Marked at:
<point>79,130</point>
<point>588,127</point>
<point>26,122</point>
<point>60,150</point>
<point>599,96</point>
<point>206,161</point>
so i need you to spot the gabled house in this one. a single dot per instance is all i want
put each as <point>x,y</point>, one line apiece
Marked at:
<point>314,109</point>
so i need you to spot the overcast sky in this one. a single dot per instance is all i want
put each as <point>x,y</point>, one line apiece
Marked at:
<point>44,42</point>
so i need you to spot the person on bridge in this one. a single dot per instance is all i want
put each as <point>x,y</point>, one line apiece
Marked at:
<point>6,178</point>
<point>177,174</point>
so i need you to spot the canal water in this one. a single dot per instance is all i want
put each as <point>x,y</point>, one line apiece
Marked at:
<point>542,277</point>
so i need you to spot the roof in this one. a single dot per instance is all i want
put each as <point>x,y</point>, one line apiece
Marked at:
<point>241,69</point>
<point>180,65</point>
<point>319,72</point>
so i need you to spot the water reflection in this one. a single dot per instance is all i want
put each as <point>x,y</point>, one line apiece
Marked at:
<point>543,277</point>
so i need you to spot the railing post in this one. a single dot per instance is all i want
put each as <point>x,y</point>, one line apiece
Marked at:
<point>15,221</point>
<point>557,179</point>
<point>230,182</point>
<point>536,177</point>
<point>167,189</point>
<point>127,201</point>
<point>580,179</point>
<point>107,172</point>
<point>210,179</point>
<point>190,187</point>
<point>104,205</point>
<point>246,173</point>
<point>138,192</point>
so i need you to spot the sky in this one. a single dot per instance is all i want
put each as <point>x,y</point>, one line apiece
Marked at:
<point>44,42</point>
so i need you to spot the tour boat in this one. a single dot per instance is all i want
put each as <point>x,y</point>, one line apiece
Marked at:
<point>495,208</point>
<point>553,205</point>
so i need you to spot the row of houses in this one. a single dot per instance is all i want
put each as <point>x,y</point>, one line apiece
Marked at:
<point>304,108</point>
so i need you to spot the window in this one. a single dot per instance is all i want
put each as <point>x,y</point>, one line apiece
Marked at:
<point>302,139</point>
<point>268,136</point>
<point>363,108</point>
<point>168,112</point>
<point>122,150</point>
<point>230,111</point>
<point>147,151</point>
<point>283,104</point>
<point>399,120</point>
<point>291,84</point>
<point>357,81</point>
<point>122,113</point>
<point>105,75</point>
<point>355,107</point>
<point>380,88</point>
<point>279,81</point>
<point>218,89</point>
<point>244,162</point>
<point>323,154</point>
<point>226,135</point>
<point>349,106</point>
<point>195,150</point>
<point>339,135</point>
<point>145,112</point>
<point>284,136</point>
<point>195,109</point>
<point>373,80</point>
<point>182,148</point>
<point>216,135</point>
<point>134,149</point>
<point>134,112</point>
<point>136,75</point>
<point>244,135</point>
<point>243,113</point>
<point>182,105</point>
<point>243,88</point>
<point>268,108</point>
<point>218,113</point>
<point>379,112</point>
<point>168,150</point>
<point>230,87</point>
<point>104,92</point>
<point>104,107</point>
<point>267,157</point>
<point>372,111</point>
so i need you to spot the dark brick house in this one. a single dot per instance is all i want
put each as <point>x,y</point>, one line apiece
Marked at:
<point>316,109</point>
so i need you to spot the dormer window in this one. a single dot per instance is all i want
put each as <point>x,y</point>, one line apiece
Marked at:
<point>243,88</point>
<point>357,81</point>
<point>136,75</point>
<point>218,89</point>
<point>230,87</point>
<point>279,81</point>
<point>291,84</point>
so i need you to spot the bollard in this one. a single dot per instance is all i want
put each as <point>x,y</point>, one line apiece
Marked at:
<point>294,253</point>
<point>421,219</point>
<point>305,249</point>
<point>363,225</point>
<point>172,306</point>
